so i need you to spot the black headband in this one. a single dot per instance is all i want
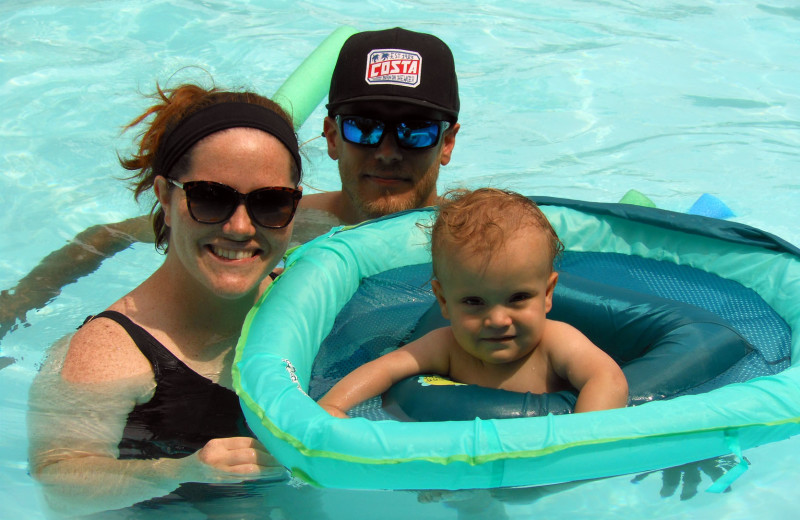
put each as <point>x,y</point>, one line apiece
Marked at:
<point>221,116</point>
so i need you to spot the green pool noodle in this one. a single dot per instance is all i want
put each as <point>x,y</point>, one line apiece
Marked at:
<point>637,198</point>
<point>309,83</point>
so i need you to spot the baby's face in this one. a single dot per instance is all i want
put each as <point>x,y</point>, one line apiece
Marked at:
<point>498,312</point>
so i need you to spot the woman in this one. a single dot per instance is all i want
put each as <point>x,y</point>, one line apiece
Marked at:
<point>147,382</point>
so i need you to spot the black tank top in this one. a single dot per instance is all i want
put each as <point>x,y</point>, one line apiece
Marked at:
<point>186,410</point>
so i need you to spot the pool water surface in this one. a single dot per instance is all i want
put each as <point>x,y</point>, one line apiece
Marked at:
<point>579,99</point>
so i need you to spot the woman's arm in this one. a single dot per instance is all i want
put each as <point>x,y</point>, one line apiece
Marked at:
<point>77,414</point>
<point>428,354</point>
<point>83,482</point>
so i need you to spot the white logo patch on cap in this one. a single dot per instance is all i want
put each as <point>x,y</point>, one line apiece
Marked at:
<point>393,67</point>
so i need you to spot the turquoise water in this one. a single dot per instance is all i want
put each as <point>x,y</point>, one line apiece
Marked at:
<point>585,100</point>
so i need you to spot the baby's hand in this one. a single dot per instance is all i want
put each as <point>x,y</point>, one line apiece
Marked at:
<point>335,411</point>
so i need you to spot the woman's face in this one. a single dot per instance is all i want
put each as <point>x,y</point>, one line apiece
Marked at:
<point>233,257</point>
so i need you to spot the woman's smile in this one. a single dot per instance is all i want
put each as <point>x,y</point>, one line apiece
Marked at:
<point>233,254</point>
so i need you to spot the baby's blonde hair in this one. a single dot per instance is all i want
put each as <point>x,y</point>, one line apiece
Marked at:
<point>479,222</point>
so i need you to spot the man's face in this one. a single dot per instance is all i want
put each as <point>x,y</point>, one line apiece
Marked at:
<point>386,179</point>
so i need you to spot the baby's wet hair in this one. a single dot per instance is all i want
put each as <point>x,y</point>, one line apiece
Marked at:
<point>479,222</point>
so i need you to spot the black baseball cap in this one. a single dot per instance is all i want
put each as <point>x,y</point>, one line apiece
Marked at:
<point>395,65</point>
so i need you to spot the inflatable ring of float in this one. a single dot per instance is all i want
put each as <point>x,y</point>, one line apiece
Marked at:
<point>303,310</point>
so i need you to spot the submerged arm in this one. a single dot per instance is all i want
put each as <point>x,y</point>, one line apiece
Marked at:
<point>75,426</point>
<point>82,482</point>
<point>82,256</point>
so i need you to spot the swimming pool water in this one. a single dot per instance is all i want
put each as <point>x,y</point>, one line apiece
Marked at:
<point>579,99</point>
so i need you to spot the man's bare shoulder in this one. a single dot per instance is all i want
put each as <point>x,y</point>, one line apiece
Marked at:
<point>311,222</point>
<point>329,201</point>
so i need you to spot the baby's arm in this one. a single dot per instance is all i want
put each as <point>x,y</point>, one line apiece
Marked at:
<point>428,354</point>
<point>597,377</point>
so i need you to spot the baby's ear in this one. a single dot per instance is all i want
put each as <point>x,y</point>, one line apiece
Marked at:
<point>437,291</point>
<point>551,286</point>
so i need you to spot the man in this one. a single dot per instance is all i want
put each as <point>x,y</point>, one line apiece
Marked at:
<point>392,122</point>
<point>392,111</point>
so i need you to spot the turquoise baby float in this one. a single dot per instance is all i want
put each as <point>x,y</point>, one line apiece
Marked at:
<point>749,404</point>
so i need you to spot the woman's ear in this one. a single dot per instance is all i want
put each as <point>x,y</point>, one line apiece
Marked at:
<point>162,191</point>
<point>437,291</point>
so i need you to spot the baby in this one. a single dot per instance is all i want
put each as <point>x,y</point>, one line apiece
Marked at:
<point>493,254</point>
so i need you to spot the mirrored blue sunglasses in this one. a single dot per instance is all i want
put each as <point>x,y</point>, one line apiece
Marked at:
<point>412,134</point>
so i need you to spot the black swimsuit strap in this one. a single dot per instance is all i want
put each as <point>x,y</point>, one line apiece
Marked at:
<point>158,355</point>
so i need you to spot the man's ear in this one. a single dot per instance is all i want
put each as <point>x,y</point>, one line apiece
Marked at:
<point>448,143</point>
<point>548,296</point>
<point>330,130</point>
<point>162,191</point>
<point>437,291</point>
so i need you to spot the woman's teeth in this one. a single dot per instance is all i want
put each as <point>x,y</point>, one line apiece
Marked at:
<point>232,254</point>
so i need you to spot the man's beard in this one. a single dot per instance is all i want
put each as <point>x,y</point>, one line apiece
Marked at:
<point>389,202</point>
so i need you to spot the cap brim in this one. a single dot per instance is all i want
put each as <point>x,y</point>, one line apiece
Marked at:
<point>395,99</point>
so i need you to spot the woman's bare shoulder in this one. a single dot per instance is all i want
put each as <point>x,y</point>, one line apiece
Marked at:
<point>100,351</point>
